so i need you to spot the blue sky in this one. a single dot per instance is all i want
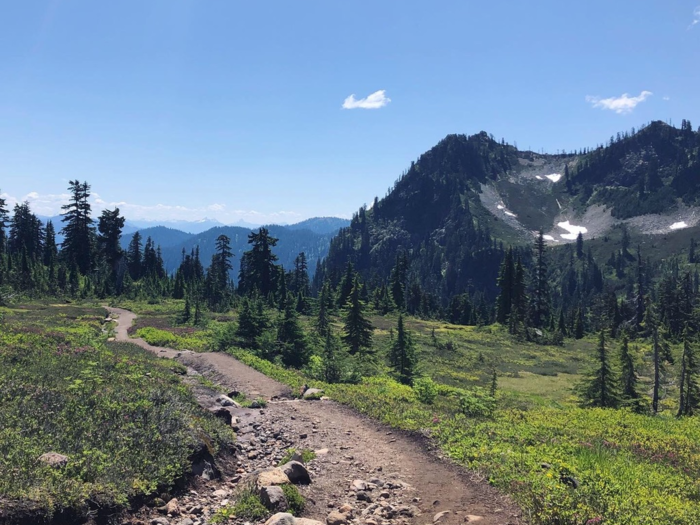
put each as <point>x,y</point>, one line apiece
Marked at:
<point>234,110</point>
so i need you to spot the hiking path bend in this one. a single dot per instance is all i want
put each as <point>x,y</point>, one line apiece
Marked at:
<point>354,447</point>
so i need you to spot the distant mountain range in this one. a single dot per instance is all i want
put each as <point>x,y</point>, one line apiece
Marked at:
<point>311,236</point>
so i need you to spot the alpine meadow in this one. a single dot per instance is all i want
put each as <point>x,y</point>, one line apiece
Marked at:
<point>207,317</point>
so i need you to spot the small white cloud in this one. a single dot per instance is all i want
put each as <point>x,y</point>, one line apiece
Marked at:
<point>376,100</point>
<point>667,99</point>
<point>620,105</point>
<point>696,17</point>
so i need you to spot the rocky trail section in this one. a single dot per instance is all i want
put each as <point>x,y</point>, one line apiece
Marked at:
<point>364,473</point>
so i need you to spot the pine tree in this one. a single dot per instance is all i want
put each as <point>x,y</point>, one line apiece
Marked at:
<point>540,300</point>
<point>357,329</point>
<point>218,288</point>
<point>293,347</point>
<point>398,281</point>
<point>258,269</point>
<point>661,353</point>
<point>323,321</point>
<point>346,285</point>
<point>78,229</point>
<point>579,245</point>
<point>506,276</point>
<point>600,388</point>
<point>689,385</point>
<point>135,257</point>
<point>50,248</point>
<point>332,368</point>
<point>402,356</point>
<point>628,378</point>
<point>4,220</point>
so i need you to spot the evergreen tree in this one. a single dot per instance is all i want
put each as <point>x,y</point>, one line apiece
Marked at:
<point>323,321</point>
<point>600,388</point>
<point>689,385</point>
<point>357,329</point>
<point>78,229</point>
<point>579,245</point>
<point>299,283</point>
<point>4,220</point>
<point>332,369</point>
<point>50,248</point>
<point>218,288</point>
<point>629,379</point>
<point>252,322</point>
<point>258,269</point>
<point>398,281</point>
<point>540,300</point>
<point>110,227</point>
<point>346,285</point>
<point>402,355</point>
<point>293,347</point>
<point>135,256</point>
<point>661,353</point>
<point>506,277</point>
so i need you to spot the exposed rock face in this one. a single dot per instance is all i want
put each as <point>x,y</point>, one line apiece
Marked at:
<point>274,499</point>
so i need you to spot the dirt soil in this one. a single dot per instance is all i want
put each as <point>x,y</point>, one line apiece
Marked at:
<point>349,446</point>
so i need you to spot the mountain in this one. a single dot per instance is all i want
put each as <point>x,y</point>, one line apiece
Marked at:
<point>464,199</point>
<point>192,227</point>
<point>291,243</point>
<point>321,224</point>
<point>161,236</point>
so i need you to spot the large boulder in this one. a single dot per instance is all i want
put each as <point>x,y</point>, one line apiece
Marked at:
<point>269,477</point>
<point>274,499</point>
<point>222,413</point>
<point>296,472</point>
<point>312,393</point>
<point>54,459</point>
<point>281,518</point>
<point>336,518</point>
<point>226,401</point>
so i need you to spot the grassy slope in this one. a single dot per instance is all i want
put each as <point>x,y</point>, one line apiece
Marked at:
<point>631,469</point>
<point>122,416</point>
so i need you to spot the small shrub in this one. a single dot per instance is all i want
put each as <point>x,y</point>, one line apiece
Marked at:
<point>294,499</point>
<point>247,507</point>
<point>477,403</point>
<point>426,390</point>
<point>306,455</point>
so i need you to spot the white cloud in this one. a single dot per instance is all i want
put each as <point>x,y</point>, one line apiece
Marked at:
<point>376,100</point>
<point>620,105</point>
<point>49,205</point>
<point>667,99</point>
<point>696,17</point>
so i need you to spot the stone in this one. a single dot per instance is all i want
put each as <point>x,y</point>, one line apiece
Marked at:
<point>226,401</point>
<point>160,521</point>
<point>321,452</point>
<point>385,494</point>
<point>282,518</point>
<point>296,472</point>
<point>358,484</point>
<point>346,508</point>
<point>307,521</point>
<point>473,518</point>
<point>440,515</point>
<point>274,499</point>
<point>222,413</point>
<point>269,477</point>
<point>363,496</point>
<point>336,518</point>
<point>172,507</point>
<point>221,493</point>
<point>185,521</point>
<point>54,459</point>
<point>312,393</point>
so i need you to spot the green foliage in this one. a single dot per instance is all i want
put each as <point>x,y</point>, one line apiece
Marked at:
<point>306,455</point>
<point>294,499</point>
<point>247,507</point>
<point>119,413</point>
<point>477,402</point>
<point>426,390</point>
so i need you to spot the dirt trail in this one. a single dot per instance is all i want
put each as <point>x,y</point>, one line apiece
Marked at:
<point>357,447</point>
